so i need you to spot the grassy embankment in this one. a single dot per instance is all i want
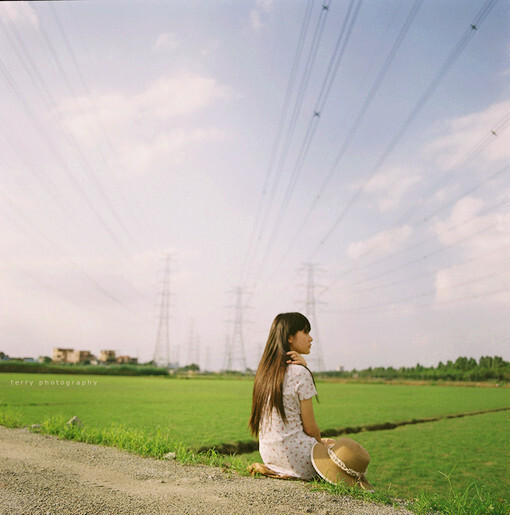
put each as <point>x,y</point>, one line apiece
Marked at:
<point>155,415</point>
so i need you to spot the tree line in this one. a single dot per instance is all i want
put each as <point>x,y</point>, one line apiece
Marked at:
<point>487,368</point>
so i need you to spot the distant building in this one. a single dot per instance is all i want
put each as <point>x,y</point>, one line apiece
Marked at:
<point>3,356</point>
<point>127,359</point>
<point>79,356</point>
<point>107,356</point>
<point>60,355</point>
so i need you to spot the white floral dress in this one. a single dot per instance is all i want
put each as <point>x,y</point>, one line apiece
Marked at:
<point>285,447</point>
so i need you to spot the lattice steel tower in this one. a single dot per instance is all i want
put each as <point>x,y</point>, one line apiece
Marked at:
<point>315,360</point>
<point>235,358</point>
<point>162,347</point>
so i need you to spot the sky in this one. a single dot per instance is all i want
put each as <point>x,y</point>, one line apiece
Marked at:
<point>349,160</point>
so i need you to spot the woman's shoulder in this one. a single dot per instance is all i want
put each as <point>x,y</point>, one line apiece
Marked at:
<point>297,371</point>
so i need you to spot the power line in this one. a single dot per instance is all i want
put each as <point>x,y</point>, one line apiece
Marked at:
<point>429,217</point>
<point>308,67</point>
<point>56,249</point>
<point>57,291</point>
<point>39,82</point>
<point>90,171</point>
<point>318,110</point>
<point>105,136</point>
<point>423,257</point>
<point>420,243</point>
<point>11,83</point>
<point>334,65</point>
<point>279,131</point>
<point>428,274</point>
<point>486,140</point>
<point>371,95</point>
<point>297,107</point>
<point>434,291</point>
<point>432,86</point>
<point>49,187</point>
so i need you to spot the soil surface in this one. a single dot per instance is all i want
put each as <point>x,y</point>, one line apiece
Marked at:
<point>42,474</point>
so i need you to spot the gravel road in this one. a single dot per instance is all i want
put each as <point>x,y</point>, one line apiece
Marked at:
<point>41,474</point>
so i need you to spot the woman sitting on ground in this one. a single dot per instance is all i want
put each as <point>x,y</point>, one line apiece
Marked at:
<point>282,410</point>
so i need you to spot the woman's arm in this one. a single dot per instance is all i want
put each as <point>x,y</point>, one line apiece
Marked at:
<point>307,417</point>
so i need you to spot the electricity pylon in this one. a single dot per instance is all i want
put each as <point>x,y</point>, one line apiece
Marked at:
<point>315,361</point>
<point>235,357</point>
<point>191,345</point>
<point>162,347</point>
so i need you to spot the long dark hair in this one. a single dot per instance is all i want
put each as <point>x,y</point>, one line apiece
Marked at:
<point>268,385</point>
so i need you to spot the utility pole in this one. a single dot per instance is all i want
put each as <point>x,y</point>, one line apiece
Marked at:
<point>162,347</point>
<point>316,360</point>
<point>235,358</point>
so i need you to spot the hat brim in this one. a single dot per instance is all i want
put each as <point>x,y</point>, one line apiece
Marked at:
<point>332,473</point>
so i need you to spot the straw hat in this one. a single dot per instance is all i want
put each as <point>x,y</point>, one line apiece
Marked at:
<point>345,461</point>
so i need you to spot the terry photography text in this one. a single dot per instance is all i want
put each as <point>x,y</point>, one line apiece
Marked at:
<point>54,382</point>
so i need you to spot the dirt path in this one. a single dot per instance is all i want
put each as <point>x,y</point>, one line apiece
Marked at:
<point>41,474</point>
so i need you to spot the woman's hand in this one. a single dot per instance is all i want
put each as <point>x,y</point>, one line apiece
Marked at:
<point>296,358</point>
<point>329,442</point>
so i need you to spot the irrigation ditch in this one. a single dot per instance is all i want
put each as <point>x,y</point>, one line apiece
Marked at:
<point>247,446</point>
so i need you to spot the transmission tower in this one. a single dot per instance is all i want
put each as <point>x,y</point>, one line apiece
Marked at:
<point>227,351</point>
<point>191,345</point>
<point>162,347</point>
<point>235,358</point>
<point>197,351</point>
<point>207,357</point>
<point>316,361</point>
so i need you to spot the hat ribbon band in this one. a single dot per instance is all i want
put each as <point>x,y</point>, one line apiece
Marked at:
<point>339,463</point>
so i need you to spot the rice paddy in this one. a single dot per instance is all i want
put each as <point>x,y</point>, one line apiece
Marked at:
<point>430,456</point>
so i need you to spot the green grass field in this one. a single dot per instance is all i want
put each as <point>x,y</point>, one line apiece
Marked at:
<point>470,450</point>
<point>209,411</point>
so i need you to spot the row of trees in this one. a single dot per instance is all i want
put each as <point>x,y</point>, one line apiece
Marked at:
<point>462,369</point>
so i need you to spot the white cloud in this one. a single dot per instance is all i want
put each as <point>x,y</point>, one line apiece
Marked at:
<point>211,48</point>
<point>256,23</point>
<point>456,227</point>
<point>166,41</point>
<point>392,184</point>
<point>166,147</point>
<point>166,98</point>
<point>382,243</point>
<point>483,242</point>
<point>259,15</point>
<point>265,5</point>
<point>151,126</point>
<point>458,137</point>
<point>18,13</point>
<point>181,95</point>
